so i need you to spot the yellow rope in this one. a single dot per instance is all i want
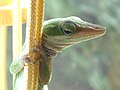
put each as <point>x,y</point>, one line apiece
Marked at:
<point>39,19</point>
<point>38,34</point>
<point>30,32</point>
<point>33,38</point>
<point>30,38</point>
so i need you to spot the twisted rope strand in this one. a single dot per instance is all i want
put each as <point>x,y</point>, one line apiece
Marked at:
<point>30,38</point>
<point>33,38</point>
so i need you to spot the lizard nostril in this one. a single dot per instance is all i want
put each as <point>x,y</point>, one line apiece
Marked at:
<point>96,27</point>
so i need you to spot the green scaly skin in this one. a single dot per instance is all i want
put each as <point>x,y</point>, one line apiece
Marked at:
<point>58,34</point>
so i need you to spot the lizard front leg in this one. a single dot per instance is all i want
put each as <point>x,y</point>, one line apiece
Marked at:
<point>18,64</point>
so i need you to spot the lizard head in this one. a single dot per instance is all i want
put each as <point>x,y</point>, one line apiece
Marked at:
<point>63,32</point>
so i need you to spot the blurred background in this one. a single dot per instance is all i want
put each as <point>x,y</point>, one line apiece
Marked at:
<point>91,65</point>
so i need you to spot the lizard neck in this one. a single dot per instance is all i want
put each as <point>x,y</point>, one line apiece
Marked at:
<point>48,51</point>
<point>50,45</point>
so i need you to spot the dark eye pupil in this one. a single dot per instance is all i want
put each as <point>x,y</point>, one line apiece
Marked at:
<point>68,27</point>
<point>67,31</point>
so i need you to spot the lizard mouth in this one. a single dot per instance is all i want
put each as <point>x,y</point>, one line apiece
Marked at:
<point>90,32</point>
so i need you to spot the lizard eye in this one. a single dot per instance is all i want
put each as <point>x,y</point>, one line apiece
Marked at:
<point>68,28</point>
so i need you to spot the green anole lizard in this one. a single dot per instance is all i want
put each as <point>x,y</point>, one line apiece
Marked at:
<point>58,34</point>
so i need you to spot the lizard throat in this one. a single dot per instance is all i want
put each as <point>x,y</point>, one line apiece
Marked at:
<point>50,46</point>
<point>48,51</point>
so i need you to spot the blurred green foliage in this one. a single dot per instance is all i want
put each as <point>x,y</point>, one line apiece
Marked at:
<point>91,65</point>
